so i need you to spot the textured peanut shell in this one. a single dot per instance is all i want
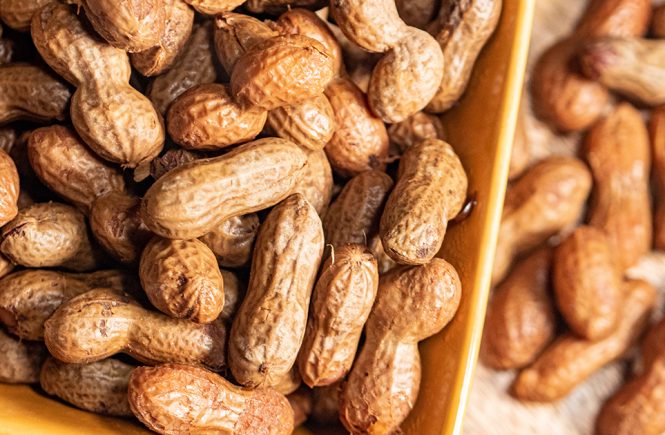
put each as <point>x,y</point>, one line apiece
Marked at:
<point>103,322</point>
<point>115,221</point>
<point>232,240</point>
<point>6,50</point>
<point>309,124</point>
<point>176,398</point>
<point>360,141</point>
<point>354,215</point>
<point>658,22</point>
<point>29,297</point>
<point>206,118</point>
<point>9,188</point>
<point>301,403</point>
<point>430,190</point>
<point>657,133</point>
<point>163,56</point>
<point>276,7</point>
<point>549,197</point>
<point>21,360</point>
<point>213,7</point>
<point>341,302</point>
<point>28,92</point>
<point>234,293</point>
<point>617,150</point>
<point>281,71</point>
<point>235,34</point>
<point>67,166</point>
<point>49,235</point>
<point>316,181</point>
<point>587,283</point>
<point>406,78</point>
<point>374,25</point>
<point>412,303</point>
<point>191,200</point>
<point>181,278</point>
<point>18,13</point>
<point>194,67</point>
<point>570,360</point>
<point>270,325</point>
<point>520,320</point>
<point>99,387</point>
<point>414,129</point>
<point>170,160</point>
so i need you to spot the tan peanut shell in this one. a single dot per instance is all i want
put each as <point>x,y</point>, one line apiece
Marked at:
<point>570,360</point>
<point>657,133</point>
<point>520,320</point>
<point>29,297</point>
<point>68,167</point>
<point>232,240</point>
<point>175,398</point>
<point>9,188</point>
<point>360,140</point>
<point>206,118</point>
<point>29,92</point>
<point>341,302</point>
<point>316,181</point>
<point>658,22</point>
<point>214,7</point>
<point>18,13</point>
<point>278,6</point>
<point>194,67</point>
<point>615,18</point>
<point>50,235</point>
<point>412,304</point>
<point>430,190</point>
<point>617,148</point>
<point>99,387</point>
<point>309,124</point>
<point>414,129</point>
<point>549,197</point>
<point>234,293</point>
<point>191,200</point>
<point>270,325</point>
<point>181,278</point>
<point>114,119</point>
<point>281,71</point>
<point>115,222</point>
<point>103,322</point>
<point>235,34</point>
<point>301,403</point>
<point>417,13</point>
<point>165,55</point>
<point>21,360</point>
<point>171,159</point>
<point>587,283</point>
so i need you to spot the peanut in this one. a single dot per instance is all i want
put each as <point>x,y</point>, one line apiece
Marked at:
<point>301,403</point>
<point>9,188</point>
<point>414,129</point>
<point>265,337</point>
<point>278,6</point>
<point>234,293</point>
<point>430,191</point>
<point>412,304</point>
<point>170,160</point>
<point>658,22</point>
<point>49,235</point>
<point>232,241</point>
<point>657,131</point>
<point>416,13</point>
<point>21,360</point>
<point>6,266</point>
<point>316,181</point>
<point>29,92</point>
<point>214,7</point>
<point>570,360</point>
<point>617,148</point>
<point>342,300</point>
<point>325,404</point>
<point>520,320</point>
<point>288,382</point>
<point>114,119</point>
<point>18,13</point>
<point>549,197</point>
<point>64,164</point>
<point>176,398</point>
<point>385,263</point>
<point>99,387</point>
<point>309,124</point>
<point>103,322</point>
<point>191,200</point>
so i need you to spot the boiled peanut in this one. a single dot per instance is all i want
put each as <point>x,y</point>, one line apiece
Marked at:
<point>278,6</point>
<point>234,293</point>
<point>99,387</point>
<point>18,13</point>
<point>103,322</point>
<point>64,164</point>
<point>658,22</point>
<point>316,181</point>
<point>342,300</point>
<point>325,404</point>
<point>175,398</point>
<point>191,200</point>
<point>301,403</point>
<point>657,131</point>
<point>520,320</point>
<point>21,360</point>
<point>265,336</point>
<point>170,160</point>
<point>416,13</point>
<point>9,188</point>
<point>412,304</point>
<point>232,241</point>
<point>414,129</point>
<point>430,190</point>
<point>546,199</point>
<point>309,124</point>
<point>213,7</point>
<point>617,148</point>
<point>570,360</point>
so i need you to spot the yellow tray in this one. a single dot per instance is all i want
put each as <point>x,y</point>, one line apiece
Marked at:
<point>481,129</point>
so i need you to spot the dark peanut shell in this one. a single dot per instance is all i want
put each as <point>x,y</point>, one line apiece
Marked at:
<point>310,123</point>
<point>316,181</point>
<point>232,240</point>
<point>301,403</point>
<point>7,139</point>
<point>21,360</point>
<point>658,22</point>
<point>9,188</point>
<point>170,160</point>
<point>325,404</point>
<point>657,132</point>
<point>235,34</point>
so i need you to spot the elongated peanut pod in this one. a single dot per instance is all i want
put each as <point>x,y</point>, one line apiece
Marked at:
<point>374,25</point>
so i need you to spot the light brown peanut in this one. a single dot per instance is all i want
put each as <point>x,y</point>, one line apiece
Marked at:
<point>570,360</point>
<point>176,398</point>
<point>9,188</point>
<point>301,403</point>
<point>191,200</point>
<point>617,148</point>
<point>520,319</point>
<point>265,337</point>
<point>414,129</point>
<point>6,266</point>
<point>316,181</point>
<point>214,7</point>
<point>18,13</point>
<point>99,387</point>
<point>68,167</point>
<point>234,293</point>
<point>232,240</point>
<point>549,197</point>
<point>430,190</point>
<point>278,6</point>
<point>21,360</point>
<point>412,304</point>
<point>114,119</point>
<point>657,132</point>
<point>658,22</point>
<point>341,302</point>
<point>103,322</point>
<point>309,124</point>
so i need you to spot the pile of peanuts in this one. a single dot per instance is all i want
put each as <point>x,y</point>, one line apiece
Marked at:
<point>201,208</point>
<point>564,306</point>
